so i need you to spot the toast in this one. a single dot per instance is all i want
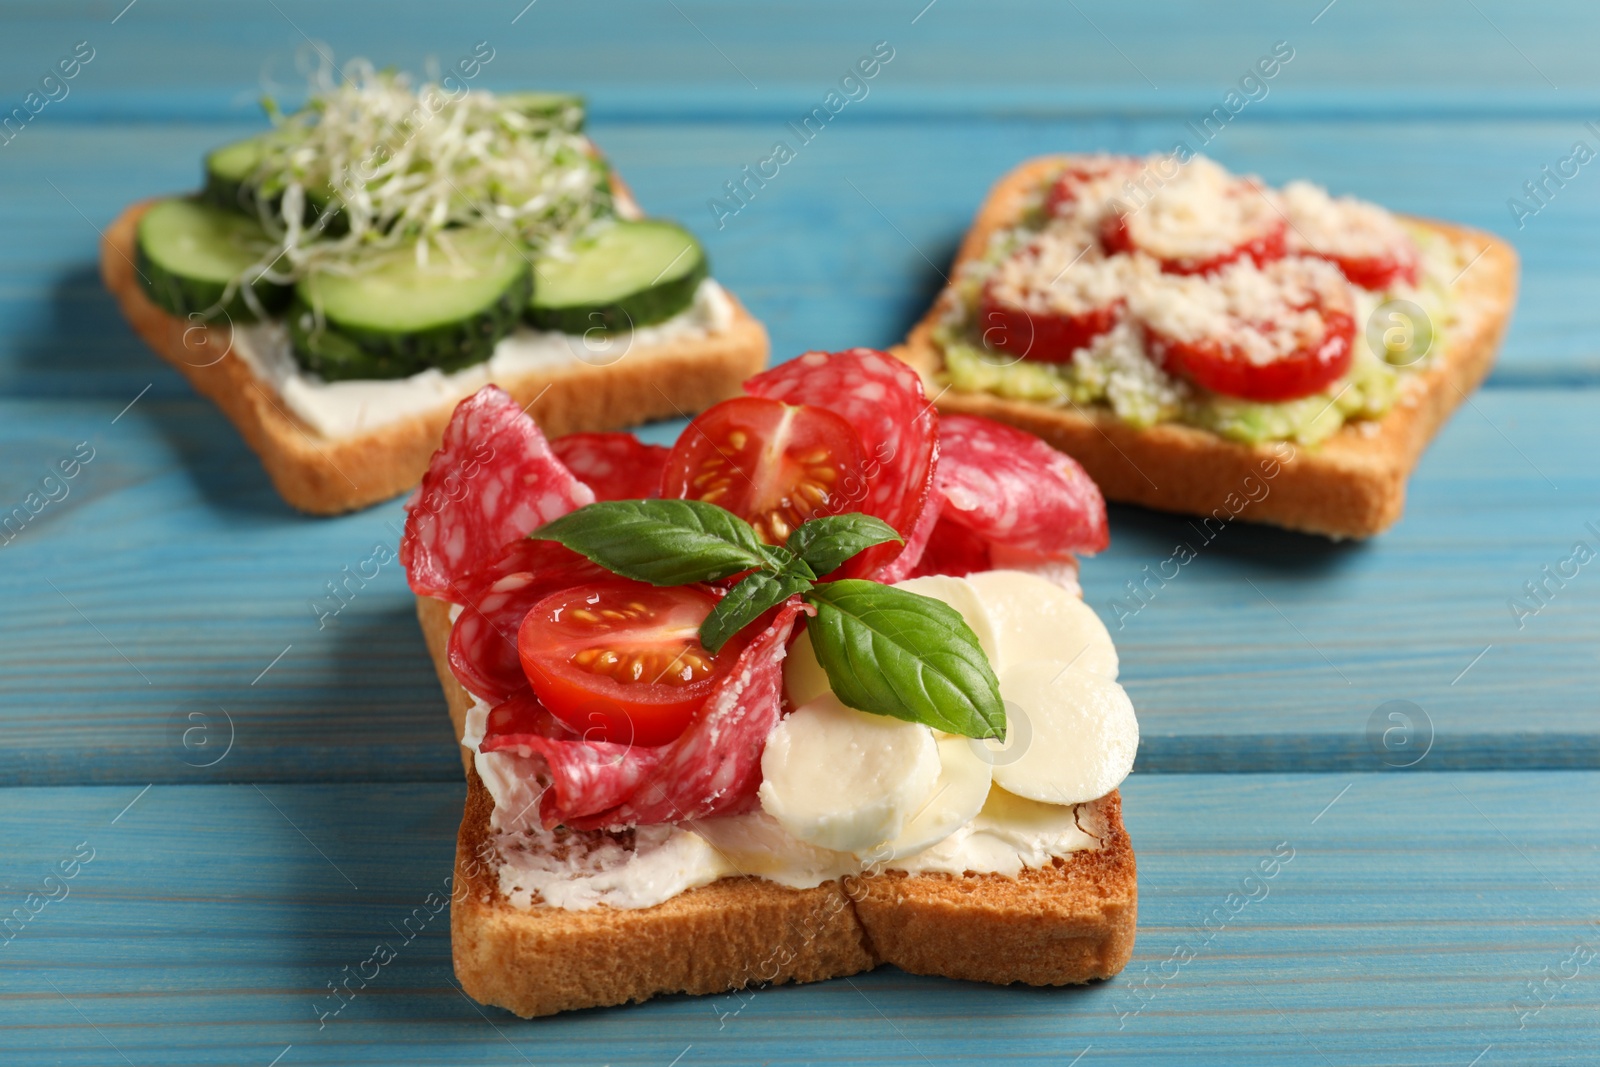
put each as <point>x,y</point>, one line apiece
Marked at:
<point>1351,485</point>
<point>327,476</point>
<point>1066,924</point>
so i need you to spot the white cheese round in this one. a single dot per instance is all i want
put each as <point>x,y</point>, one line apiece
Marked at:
<point>1035,619</point>
<point>843,779</point>
<point>957,796</point>
<point>803,677</point>
<point>1071,733</point>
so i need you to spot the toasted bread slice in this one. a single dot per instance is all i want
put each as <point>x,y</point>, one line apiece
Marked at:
<point>1351,485</point>
<point>1065,924</point>
<point>328,476</point>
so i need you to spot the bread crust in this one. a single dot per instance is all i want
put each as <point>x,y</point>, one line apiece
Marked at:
<point>1066,924</point>
<point>327,476</point>
<point>1351,485</point>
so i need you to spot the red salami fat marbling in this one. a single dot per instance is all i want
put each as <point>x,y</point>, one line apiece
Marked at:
<point>493,479</point>
<point>952,549</point>
<point>617,466</point>
<point>1012,489</point>
<point>586,776</point>
<point>714,767</point>
<point>882,398</point>
<point>483,641</point>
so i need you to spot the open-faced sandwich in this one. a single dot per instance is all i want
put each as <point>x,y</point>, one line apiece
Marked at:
<point>811,691</point>
<point>1204,343</point>
<point>346,277</point>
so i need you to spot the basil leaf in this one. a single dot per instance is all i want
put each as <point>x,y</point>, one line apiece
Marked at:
<point>753,595</point>
<point>893,652</point>
<point>826,543</point>
<point>778,557</point>
<point>663,542</point>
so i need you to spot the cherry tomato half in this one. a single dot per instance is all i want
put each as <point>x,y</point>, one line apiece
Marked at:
<point>773,464</point>
<point>1079,176</point>
<point>1200,222</point>
<point>1042,336</point>
<point>621,661</point>
<point>1221,365</point>
<point>1378,271</point>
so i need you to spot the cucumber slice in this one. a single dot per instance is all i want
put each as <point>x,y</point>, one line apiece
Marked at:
<point>188,252</point>
<point>233,181</point>
<point>627,275</point>
<point>230,173</point>
<point>392,318</point>
<point>565,110</point>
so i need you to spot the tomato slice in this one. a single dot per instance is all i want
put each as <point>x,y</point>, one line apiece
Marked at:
<point>1378,271</point>
<point>773,464</point>
<point>1052,297</point>
<point>1201,221</point>
<point>1080,178</point>
<point>621,661</point>
<point>1363,240</point>
<point>1278,334</point>
<point>1042,336</point>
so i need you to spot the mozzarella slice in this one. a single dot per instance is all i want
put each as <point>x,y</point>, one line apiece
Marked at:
<point>843,779</point>
<point>1071,733</point>
<point>962,595</point>
<point>755,843</point>
<point>803,675</point>
<point>1035,619</point>
<point>957,796</point>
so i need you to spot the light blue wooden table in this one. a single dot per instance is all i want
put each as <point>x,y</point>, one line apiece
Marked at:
<point>263,800</point>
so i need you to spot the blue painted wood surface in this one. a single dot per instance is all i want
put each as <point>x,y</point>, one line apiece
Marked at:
<point>172,577</point>
<point>1406,927</point>
<point>158,630</point>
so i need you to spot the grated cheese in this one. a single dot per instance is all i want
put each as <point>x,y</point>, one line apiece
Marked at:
<point>1344,226</point>
<point>1263,312</point>
<point>1200,214</point>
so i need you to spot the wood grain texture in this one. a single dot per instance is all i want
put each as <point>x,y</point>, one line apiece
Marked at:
<point>653,56</point>
<point>1269,650</point>
<point>1401,924</point>
<point>847,244</point>
<point>1417,908</point>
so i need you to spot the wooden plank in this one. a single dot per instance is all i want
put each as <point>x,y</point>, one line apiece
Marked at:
<point>899,189</point>
<point>1403,923</point>
<point>193,58</point>
<point>171,577</point>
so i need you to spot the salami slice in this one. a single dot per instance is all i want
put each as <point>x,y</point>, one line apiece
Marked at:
<point>952,549</point>
<point>586,776</point>
<point>714,767</point>
<point>493,479</point>
<point>483,641</point>
<point>906,562</point>
<point>1012,489</point>
<point>617,466</point>
<point>882,399</point>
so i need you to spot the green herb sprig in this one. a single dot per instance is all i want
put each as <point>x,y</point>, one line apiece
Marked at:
<point>886,651</point>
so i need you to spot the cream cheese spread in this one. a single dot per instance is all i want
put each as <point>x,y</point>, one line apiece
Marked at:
<point>343,409</point>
